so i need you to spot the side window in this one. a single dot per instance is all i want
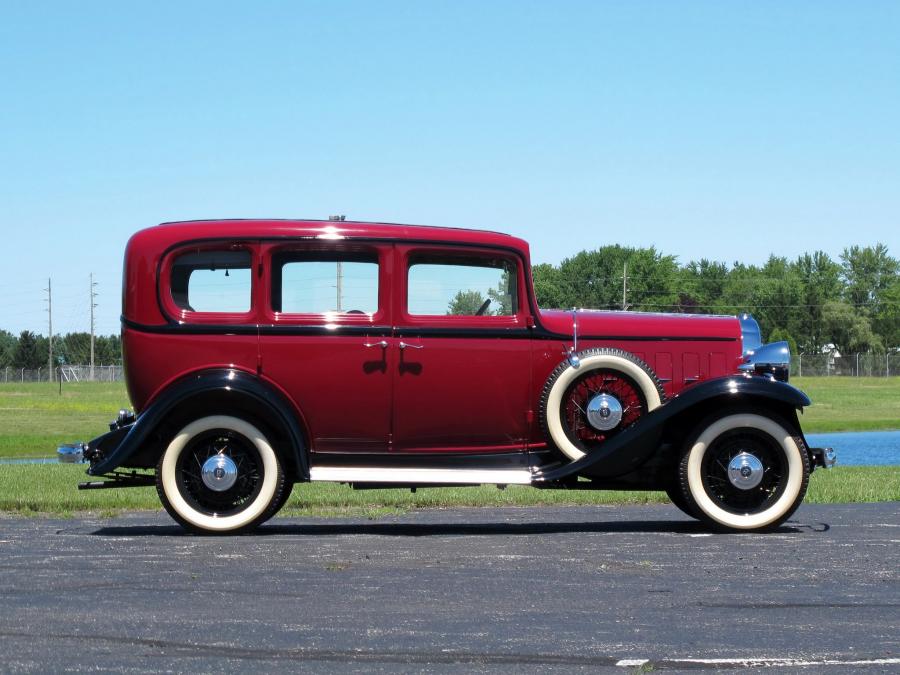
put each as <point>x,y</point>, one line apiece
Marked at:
<point>461,286</point>
<point>212,281</point>
<point>319,283</point>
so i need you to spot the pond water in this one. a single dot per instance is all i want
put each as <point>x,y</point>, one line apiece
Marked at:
<point>853,448</point>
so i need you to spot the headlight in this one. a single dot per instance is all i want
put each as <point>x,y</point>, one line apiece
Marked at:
<point>773,359</point>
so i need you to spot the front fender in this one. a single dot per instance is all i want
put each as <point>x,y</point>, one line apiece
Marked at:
<point>114,449</point>
<point>633,446</point>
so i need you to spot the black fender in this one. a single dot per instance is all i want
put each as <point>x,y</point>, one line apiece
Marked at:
<point>633,446</point>
<point>238,389</point>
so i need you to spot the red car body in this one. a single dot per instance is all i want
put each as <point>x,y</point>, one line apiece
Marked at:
<point>394,383</point>
<point>396,410</point>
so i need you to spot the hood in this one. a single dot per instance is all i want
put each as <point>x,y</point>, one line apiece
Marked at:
<point>599,324</point>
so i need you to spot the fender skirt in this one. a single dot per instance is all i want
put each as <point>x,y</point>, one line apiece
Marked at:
<point>112,450</point>
<point>635,445</point>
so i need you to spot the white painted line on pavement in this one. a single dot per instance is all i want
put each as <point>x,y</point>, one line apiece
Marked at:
<point>762,662</point>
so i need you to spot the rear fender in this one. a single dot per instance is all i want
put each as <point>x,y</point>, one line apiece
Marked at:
<point>193,396</point>
<point>631,448</point>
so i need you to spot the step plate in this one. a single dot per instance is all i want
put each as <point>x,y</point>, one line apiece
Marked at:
<point>420,476</point>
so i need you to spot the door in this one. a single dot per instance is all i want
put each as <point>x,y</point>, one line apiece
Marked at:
<point>326,340</point>
<point>462,342</point>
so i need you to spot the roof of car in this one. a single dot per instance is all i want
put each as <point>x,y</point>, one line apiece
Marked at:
<point>174,232</point>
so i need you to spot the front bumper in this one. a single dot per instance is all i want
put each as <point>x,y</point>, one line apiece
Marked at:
<point>824,457</point>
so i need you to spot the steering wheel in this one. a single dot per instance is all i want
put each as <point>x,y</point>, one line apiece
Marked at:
<point>483,308</point>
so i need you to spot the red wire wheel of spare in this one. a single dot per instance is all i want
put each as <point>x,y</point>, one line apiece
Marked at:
<point>595,382</point>
<point>626,384</point>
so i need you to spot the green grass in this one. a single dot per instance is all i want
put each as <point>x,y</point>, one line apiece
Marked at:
<point>35,419</point>
<point>850,403</point>
<point>29,489</point>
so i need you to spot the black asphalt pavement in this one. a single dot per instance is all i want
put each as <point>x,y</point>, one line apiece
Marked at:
<point>514,589</point>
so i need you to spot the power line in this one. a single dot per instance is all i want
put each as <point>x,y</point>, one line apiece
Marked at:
<point>753,305</point>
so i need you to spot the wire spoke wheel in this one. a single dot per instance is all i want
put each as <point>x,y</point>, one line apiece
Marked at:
<point>211,445</point>
<point>220,474</point>
<point>744,471</point>
<point>763,481</point>
<point>616,392</point>
<point>584,405</point>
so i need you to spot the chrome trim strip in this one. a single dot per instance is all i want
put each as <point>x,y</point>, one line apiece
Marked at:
<point>414,476</point>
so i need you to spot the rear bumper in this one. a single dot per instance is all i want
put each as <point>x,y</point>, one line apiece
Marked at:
<point>104,446</point>
<point>824,457</point>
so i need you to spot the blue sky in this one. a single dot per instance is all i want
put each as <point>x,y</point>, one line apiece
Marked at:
<point>708,129</point>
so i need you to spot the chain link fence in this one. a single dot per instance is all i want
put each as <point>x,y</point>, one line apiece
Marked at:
<point>849,365</point>
<point>99,373</point>
<point>802,365</point>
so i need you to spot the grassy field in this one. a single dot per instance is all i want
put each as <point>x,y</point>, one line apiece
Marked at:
<point>50,488</point>
<point>34,418</point>
<point>850,403</point>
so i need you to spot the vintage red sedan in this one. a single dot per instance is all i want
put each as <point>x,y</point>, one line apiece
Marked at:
<point>264,353</point>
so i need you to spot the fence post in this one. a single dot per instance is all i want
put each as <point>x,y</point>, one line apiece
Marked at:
<point>23,375</point>
<point>800,365</point>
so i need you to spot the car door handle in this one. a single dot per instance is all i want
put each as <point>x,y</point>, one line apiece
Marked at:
<point>381,343</point>
<point>404,345</point>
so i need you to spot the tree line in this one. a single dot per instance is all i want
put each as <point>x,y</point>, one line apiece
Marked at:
<point>813,302</point>
<point>31,351</point>
<point>852,303</point>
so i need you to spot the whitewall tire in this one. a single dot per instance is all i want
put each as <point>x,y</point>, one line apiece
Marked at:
<point>625,380</point>
<point>744,472</point>
<point>219,474</point>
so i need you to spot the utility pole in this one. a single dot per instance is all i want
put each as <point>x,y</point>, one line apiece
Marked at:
<point>93,296</point>
<point>340,284</point>
<point>624,286</point>
<point>49,291</point>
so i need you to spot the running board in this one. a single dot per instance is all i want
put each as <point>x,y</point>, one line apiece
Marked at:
<point>419,476</point>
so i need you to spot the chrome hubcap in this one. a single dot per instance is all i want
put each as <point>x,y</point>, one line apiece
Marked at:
<point>745,471</point>
<point>219,473</point>
<point>604,412</point>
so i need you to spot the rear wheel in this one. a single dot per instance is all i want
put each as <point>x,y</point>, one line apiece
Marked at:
<point>744,471</point>
<point>219,474</point>
<point>282,500</point>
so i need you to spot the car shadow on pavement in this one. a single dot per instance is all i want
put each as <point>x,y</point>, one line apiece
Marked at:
<point>458,529</point>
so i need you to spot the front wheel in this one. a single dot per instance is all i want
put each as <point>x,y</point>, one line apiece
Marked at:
<point>676,496</point>
<point>744,472</point>
<point>219,474</point>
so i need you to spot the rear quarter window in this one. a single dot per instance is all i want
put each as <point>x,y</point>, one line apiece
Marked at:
<point>212,281</point>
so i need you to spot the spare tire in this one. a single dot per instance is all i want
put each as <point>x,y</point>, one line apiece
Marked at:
<point>584,406</point>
